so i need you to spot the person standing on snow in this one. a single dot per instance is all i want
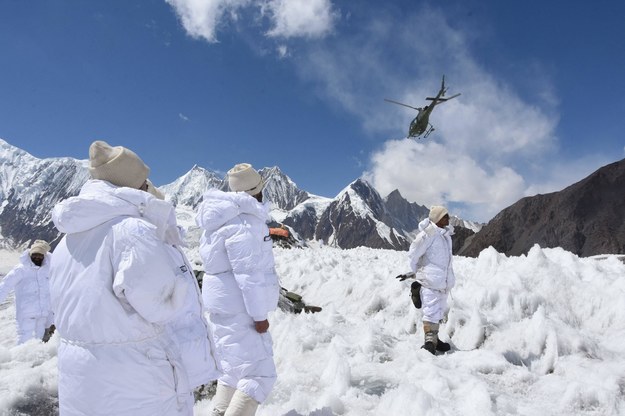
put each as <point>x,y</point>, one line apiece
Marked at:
<point>29,280</point>
<point>189,329</point>
<point>240,287</point>
<point>431,258</point>
<point>117,288</point>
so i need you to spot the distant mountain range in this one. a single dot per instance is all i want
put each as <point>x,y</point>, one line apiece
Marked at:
<point>357,216</point>
<point>582,218</point>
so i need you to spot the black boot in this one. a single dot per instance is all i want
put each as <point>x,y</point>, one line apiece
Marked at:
<point>430,347</point>
<point>415,294</point>
<point>442,346</point>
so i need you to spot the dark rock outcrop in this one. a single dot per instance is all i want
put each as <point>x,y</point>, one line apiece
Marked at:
<point>407,214</point>
<point>358,217</point>
<point>304,221</point>
<point>584,218</point>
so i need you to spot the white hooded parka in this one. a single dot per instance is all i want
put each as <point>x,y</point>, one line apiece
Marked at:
<point>240,286</point>
<point>117,286</point>
<point>30,282</point>
<point>430,256</point>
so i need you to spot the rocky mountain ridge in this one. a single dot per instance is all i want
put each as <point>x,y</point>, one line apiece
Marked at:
<point>358,216</point>
<point>584,218</point>
<point>29,188</point>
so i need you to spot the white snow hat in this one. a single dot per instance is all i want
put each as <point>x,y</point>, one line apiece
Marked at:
<point>437,212</point>
<point>244,178</point>
<point>117,165</point>
<point>39,247</point>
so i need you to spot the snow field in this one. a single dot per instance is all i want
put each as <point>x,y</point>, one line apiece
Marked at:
<point>542,334</point>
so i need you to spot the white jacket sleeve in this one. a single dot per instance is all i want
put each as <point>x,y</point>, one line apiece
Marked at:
<point>417,249</point>
<point>244,254</point>
<point>9,282</point>
<point>144,275</point>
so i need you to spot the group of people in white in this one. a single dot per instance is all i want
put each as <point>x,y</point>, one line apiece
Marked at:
<point>136,333</point>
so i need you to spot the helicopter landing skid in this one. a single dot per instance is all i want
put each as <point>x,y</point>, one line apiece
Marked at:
<point>428,132</point>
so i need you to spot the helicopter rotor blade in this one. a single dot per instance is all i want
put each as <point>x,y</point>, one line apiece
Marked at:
<point>398,103</point>
<point>442,99</point>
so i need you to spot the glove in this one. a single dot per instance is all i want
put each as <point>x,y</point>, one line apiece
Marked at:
<point>405,276</point>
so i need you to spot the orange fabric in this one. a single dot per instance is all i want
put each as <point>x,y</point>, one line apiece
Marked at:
<point>281,232</point>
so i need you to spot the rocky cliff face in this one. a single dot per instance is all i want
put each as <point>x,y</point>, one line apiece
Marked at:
<point>305,216</point>
<point>280,189</point>
<point>585,219</point>
<point>407,214</point>
<point>358,217</point>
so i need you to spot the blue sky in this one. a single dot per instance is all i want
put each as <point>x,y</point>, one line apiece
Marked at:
<point>301,84</point>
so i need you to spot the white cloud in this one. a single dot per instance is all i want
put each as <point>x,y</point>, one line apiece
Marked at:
<point>183,117</point>
<point>300,18</point>
<point>283,51</point>
<point>287,18</point>
<point>433,174</point>
<point>490,147</point>
<point>200,18</point>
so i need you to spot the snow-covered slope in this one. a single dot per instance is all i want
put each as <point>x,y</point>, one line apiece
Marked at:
<point>29,188</point>
<point>305,216</point>
<point>471,225</point>
<point>542,334</point>
<point>188,189</point>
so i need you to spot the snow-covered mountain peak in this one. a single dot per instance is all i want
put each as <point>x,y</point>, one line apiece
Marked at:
<point>29,188</point>
<point>471,225</point>
<point>364,199</point>
<point>280,189</point>
<point>188,189</point>
<point>270,171</point>
<point>8,151</point>
<point>358,216</point>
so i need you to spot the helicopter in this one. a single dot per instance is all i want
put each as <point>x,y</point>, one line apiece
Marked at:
<point>420,125</point>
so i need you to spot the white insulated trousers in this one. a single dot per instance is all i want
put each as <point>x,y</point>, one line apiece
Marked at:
<point>246,356</point>
<point>433,305</point>
<point>29,328</point>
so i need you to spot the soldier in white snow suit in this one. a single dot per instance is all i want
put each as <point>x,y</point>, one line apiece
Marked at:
<point>119,288</point>
<point>431,258</point>
<point>189,329</point>
<point>239,288</point>
<point>30,281</point>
